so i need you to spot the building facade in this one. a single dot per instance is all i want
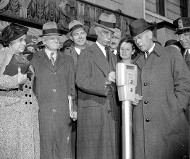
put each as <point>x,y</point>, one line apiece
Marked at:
<point>34,13</point>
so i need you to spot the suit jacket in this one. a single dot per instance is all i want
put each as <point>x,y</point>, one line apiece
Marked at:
<point>159,125</point>
<point>53,85</point>
<point>96,126</point>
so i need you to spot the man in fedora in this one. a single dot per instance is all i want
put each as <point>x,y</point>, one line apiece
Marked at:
<point>183,31</point>
<point>54,83</point>
<point>78,35</point>
<point>96,124</point>
<point>160,128</point>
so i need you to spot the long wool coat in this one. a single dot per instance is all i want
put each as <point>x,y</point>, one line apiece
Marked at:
<point>97,135</point>
<point>160,128</point>
<point>53,85</point>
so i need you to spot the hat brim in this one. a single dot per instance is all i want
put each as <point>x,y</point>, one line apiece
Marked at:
<point>50,34</point>
<point>70,32</point>
<point>151,27</point>
<point>181,31</point>
<point>103,26</point>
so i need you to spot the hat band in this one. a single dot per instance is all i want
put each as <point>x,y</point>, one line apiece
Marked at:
<point>49,31</point>
<point>107,24</point>
<point>75,27</point>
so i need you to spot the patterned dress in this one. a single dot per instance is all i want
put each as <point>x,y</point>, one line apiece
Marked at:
<point>19,126</point>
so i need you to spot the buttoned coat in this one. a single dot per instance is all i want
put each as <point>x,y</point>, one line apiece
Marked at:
<point>96,129</point>
<point>160,128</point>
<point>53,85</point>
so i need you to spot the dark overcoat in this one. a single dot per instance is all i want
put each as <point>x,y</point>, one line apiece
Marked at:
<point>96,129</point>
<point>160,128</point>
<point>53,85</point>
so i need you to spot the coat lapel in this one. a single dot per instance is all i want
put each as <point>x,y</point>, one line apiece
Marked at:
<point>60,60</point>
<point>99,58</point>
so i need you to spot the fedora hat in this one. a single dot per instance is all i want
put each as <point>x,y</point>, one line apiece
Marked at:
<point>12,32</point>
<point>138,26</point>
<point>107,21</point>
<point>73,25</point>
<point>50,28</point>
<point>182,25</point>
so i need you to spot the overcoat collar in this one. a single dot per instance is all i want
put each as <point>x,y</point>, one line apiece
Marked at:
<point>140,60</point>
<point>99,58</point>
<point>43,58</point>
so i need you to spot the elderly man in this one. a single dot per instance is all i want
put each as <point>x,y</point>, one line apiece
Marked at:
<point>96,130</point>
<point>54,83</point>
<point>159,125</point>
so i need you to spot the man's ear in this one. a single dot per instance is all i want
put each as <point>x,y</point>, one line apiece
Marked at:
<point>150,34</point>
<point>96,30</point>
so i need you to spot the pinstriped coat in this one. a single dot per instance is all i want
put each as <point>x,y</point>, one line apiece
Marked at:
<point>96,129</point>
<point>159,125</point>
<point>53,85</point>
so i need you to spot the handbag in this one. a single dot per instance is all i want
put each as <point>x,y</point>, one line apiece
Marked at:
<point>17,61</point>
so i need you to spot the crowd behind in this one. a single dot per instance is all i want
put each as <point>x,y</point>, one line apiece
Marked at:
<point>60,101</point>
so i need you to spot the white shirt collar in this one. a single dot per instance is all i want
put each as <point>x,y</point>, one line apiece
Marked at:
<point>77,50</point>
<point>101,48</point>
<point>48,52</point>
<point>151,49</point>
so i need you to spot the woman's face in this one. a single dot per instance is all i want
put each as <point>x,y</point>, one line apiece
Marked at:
<point>126,50</point>
<point>19,44</point>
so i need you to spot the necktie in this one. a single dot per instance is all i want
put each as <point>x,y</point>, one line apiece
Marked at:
<point>52,59</point>
<point>187,55</point>
<point>146,54</point>
<point>107,53</point>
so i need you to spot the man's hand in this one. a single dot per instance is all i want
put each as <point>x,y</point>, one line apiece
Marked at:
<point>111,77</point>
<point>74,116</point>
<point>138,98</point>
<point>21,77</point>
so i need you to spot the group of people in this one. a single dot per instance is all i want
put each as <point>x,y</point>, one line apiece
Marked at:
<point>64,105</point>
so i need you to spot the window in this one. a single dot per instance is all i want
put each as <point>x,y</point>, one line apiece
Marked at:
<point>160,7</point>
<point>183,8</point>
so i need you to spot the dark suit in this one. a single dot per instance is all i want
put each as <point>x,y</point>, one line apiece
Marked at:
<point>53,85</point>
<point>96,134</point>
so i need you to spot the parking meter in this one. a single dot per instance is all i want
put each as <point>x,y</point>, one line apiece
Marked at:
<point>126,80</point>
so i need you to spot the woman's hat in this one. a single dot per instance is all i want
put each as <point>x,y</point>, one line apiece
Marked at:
<point>107,21</point>
<point>138,26</point>
<point>50,28</point>
<point>12,32</point>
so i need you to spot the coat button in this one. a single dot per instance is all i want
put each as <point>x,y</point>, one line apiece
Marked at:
<point>147,120</point>
<point>183,110</point>
<point>145,84</point>
<point>53,110</point>
<point>26,102</point>
<point>26,86</point>
<point>30,87</point>
<point>145,102</point>
<point>30,95</point>
<point>26,95</point>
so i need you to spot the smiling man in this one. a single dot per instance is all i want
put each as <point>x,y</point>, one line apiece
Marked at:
<point>160,127</point>
<point>78,35</point>
<point>183,31</point>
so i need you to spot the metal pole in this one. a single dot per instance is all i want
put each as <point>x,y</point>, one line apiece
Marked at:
<point>126,130</point>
